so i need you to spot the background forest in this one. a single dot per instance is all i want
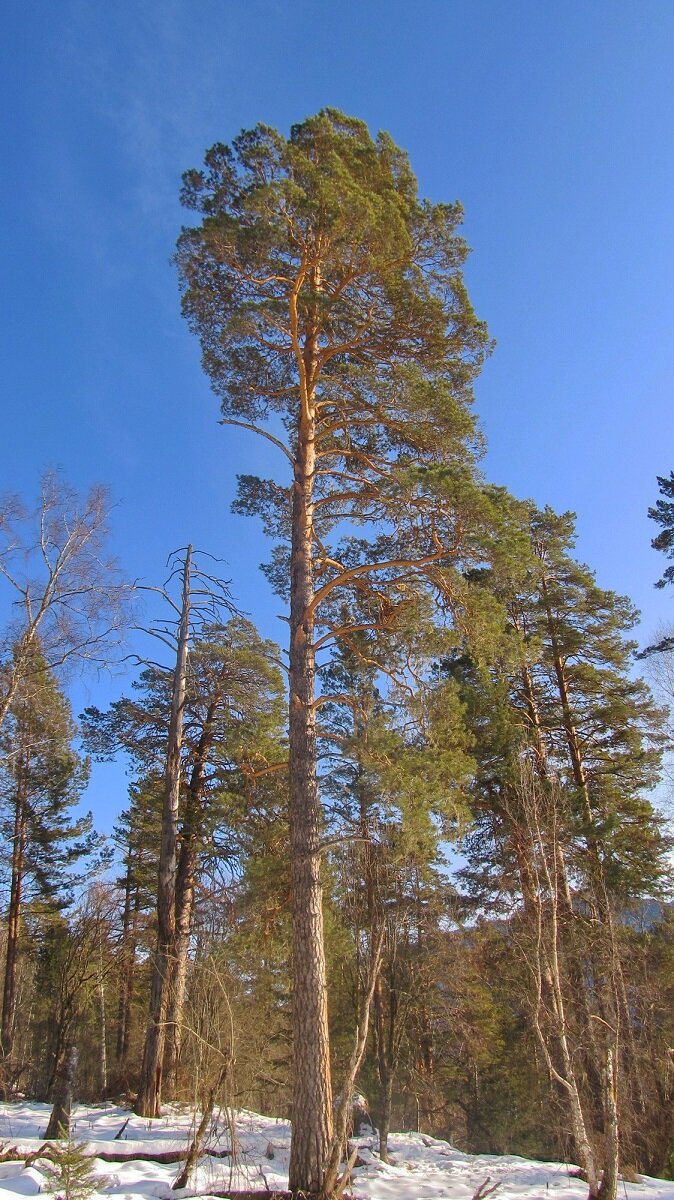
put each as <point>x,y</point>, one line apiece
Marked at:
<point>410,853</point>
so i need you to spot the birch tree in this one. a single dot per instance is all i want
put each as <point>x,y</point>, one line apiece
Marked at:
<point>64,590</point>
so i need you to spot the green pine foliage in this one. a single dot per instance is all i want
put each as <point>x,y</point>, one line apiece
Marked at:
<point>663,514</point>
<point>43,774</point>
<point>72,1174</point>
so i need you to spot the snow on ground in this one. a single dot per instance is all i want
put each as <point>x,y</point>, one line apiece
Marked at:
<point>422,1168</point>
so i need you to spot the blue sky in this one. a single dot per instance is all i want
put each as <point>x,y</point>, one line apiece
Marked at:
<point>552,123</point>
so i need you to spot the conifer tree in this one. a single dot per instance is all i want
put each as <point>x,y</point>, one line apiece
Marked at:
<point>663,514</point>
<point>334,322</point>
<point>42,779</point>
<point>562,693</point>
<point>136,837</point>
<point>398,763</point>
<point>72,1172</point>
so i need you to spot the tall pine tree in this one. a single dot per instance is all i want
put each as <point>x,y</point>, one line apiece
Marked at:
<point>334,322</point>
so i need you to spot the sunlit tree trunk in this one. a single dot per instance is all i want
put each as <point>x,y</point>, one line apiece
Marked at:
<point>14,913</point>
<point>312,1087</point>
<point>148,1103</point>
<point>178,989</point>
<point>184,901</point>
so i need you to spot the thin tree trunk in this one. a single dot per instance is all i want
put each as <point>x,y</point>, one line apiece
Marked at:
<point>613,991</point>
<point>127,982</point>
<point>195,1150</point>
<point>312,1088</point>
<point>148,1103</point>
<point>123,998</point>
<point>609,1190</point>
<point>14,914</point>
<point>568,918</point>
<point>104,1026</point>
<point>332,1184</point>
<point>22,652</point>
<point>549,982</point>
<point>385,1105</point>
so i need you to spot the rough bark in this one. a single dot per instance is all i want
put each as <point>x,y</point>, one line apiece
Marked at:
<point>312,1088</point>
<point>123,1000</point>
<point>184,902</point>
<point>609,1184</point>
<point>148,1103</point>
<point>59,1121</point>
<point>178,989</point>
<point>14,916</point>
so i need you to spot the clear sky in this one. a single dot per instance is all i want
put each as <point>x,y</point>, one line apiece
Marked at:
<point>553,123</point>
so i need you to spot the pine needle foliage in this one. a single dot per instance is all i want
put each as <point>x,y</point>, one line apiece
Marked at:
<point>72,1174</point>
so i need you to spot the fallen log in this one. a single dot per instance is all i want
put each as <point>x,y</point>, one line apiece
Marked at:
<point>260,1194</point>
<point>163,1157</point>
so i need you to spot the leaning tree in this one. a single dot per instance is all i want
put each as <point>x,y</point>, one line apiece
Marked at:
<point>334,322</point>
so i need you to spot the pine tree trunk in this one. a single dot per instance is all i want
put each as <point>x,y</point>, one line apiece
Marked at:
<point>384,1071</point>
<point>14,916</point>
<point>122,1000</point>
<point>59,1121</point>
<point>312,1090</point>
<point>128,970</point>
<point>148,1103</point>
<point>610,1178</point>
<point>550,975</point>
<point>104,1027</point>
<point>386,1103</point>
<point>184,901</point>
<point>577,969</point>
<point>613,993</point>
<point>176,999</point>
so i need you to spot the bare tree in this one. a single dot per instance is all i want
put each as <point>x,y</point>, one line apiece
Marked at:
<point>203,597</point>
<point>149,1093</point>
<point>64,591</point>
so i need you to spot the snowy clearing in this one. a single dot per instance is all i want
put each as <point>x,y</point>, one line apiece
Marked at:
<point>423,1168</point>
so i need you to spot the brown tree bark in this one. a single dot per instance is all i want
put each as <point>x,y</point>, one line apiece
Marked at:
<point>19,838</point>
<point>550,1015</point>
<point>577,970</point>
<point>312,1086</point>
<point>184,900</point>
<point>613,990</point>
<point>132,902</point>
<point>148,1103</point>
<point>59,1121</point>
<point>183,928</point>
<point>14,913</point>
